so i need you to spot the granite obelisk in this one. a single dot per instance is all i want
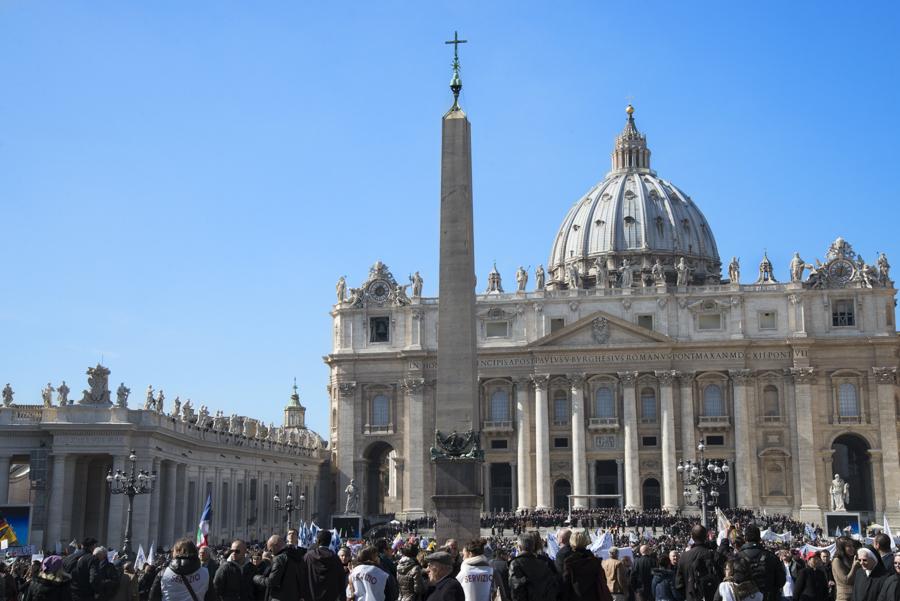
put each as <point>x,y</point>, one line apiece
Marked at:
<point>456,453</point>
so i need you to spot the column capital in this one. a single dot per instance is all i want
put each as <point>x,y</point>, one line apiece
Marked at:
<point>628,377</point>
<point>687,377</point>
<point>412,385</point>
<point>885,375</point>
<point>576,381</point>
<point>540,381</point>
<point>803,375</point>
<point>667,377</point>
<point>346,389</point>
<point>741,377</point>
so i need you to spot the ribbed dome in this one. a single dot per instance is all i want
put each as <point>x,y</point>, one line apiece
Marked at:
<point>636,215</point>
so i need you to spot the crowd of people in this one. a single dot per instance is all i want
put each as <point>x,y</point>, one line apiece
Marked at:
<point>674,559</point>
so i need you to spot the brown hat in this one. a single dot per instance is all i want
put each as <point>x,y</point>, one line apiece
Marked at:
<point>440,557</point>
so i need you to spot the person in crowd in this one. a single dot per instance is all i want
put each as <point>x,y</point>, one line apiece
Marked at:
<point>50,584</point>
<point>293,538</point>
<point>104,577</point>
<point>345,556</point>
<point>563,537</point>
<point>583,578</point>
<point>674,555</point>
<point>452,547</point>
<point>411,576</point>
<point>810,584</point>
<point>529,576</point>
<point>788,569</point>
<point>883,545</point>
<point>764,565</point>
<point>233,580</point>
<point>442,585</point>
<point>738,583</point>
<point>825,568</point>
<point>844,567</point>
<point>127,589</point>
<point>476,574</point>
<point>81,572</point>
<point>616,572</point>
<point>208,562</point>
<point>698,576</point>
<point>386,556</point>
<point>286,579</point>
<point>663,583</point>
<point>890,587</point>
<point>324,570</point>
<point>85,547</point>
<point>184,578</point>
<point>642,574</point>
<point>500,563</point>
<point>145,581</point>
<point>869,578</point>
<point>368,581</point>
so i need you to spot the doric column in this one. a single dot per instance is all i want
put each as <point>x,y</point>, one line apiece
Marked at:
<point>153,510</point>
<point>886,378</point>
<point>541,443</point>
<point>346,434</point>
<point>632,457</point>
<point>118,505</point>
<point>58,502</point>
<point>688,434</point>
<point>414,472</point>
<point>744,461</point>
<point>170,502</point>
<point>804,377</point>
<point>4,479</point>
<point>523,447</point>
<point>667,424</point>
<point>579,467</point>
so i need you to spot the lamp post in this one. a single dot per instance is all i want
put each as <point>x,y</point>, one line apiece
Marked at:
<point>702,480</point>
<point>289,506</point>
<point>137,482</point>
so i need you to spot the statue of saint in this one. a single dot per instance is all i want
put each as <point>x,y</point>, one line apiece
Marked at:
<point>47,394</point>
<point>341,289</point>
<point>840,493</point>
<point>572,276</point>
<point>416,280</point>
<point>400,294</point>
<point>202,416</point>
<point>352,492</point>
<point>62,394</point>
<point>602,274</point>
<point>683,272</point>
<point>521,278</point>
<point>797,267</point>
<point>626,276</point>
<point>8,395</point>
<point>176,407</point>
<point>122,393</point>
<point>734,271</point>
<point>539,278</point>
<point>149,402</point>
<point>159,402</point>
<point>187,411</point>
<point>884,269</point>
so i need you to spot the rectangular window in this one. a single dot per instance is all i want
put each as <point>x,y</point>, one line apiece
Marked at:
<point>648,441</point>
<point>710,321</point>
<point>645,321</point>
<point>496,329</point>
<point>842,313</point>
<point>556,324</point>
<point>500,444</point>
<point>715,441</point>
<point>561,442</point>
<point>379,329</point>
<point>768,320</point>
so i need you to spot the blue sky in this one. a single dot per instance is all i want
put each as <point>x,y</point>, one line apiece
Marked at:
<point>181,183</point>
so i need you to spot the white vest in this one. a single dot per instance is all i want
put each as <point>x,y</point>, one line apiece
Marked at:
<point>476,580</point>
<point>368,582</point>
<point>173,588</point>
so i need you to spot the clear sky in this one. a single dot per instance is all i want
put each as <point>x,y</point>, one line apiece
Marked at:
<point>182,183</point>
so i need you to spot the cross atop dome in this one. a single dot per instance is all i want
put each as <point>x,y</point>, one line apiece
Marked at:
<point>631,152</point>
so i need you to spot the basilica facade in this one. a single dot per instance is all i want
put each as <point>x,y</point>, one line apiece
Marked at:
<point>636,343</point>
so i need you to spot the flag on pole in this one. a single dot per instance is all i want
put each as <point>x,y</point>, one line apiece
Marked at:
<point>887,530</point>
<point>722,525</point>
<point>151,554</point>
<point>140,559</point>
<point>203,526</point>
<point>335,540</point>
<point>552,545</point>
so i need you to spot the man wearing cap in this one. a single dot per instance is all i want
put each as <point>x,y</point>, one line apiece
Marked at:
<point>443,586</point>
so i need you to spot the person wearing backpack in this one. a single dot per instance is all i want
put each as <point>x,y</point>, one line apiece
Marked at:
<point>765,567</point>
<point>699,574</point>
<point>738,584</point>
<point>530,578</point>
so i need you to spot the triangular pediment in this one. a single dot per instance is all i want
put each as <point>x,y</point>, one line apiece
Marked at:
<point>601,329</point>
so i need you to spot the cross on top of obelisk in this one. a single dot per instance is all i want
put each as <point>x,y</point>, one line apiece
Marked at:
<point>456,82</point>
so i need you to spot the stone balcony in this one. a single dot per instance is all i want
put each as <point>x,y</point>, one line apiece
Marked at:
<point>603,424</point>
<point>384,430</point>
<point>497,427</point>
<point>714,422</point>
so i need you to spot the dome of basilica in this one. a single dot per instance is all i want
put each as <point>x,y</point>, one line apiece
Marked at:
<point>632,216</point>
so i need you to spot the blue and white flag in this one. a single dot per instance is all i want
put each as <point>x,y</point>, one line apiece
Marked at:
<point>552,545</point>
<point>335,540</point>
<point>151,554</point>
<point>140,559</point>
<point>887,530</point>
<point>811,532</point>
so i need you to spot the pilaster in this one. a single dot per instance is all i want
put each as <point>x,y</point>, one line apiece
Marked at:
<point>414,469</point>
<point>745,462</point>
<point>346,451</point>
<point>886,380</point>
<point>688,432</point>
<point>804,377</point>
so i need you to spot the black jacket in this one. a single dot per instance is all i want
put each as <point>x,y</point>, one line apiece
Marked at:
<point>684,574</point>
<point>448,589</point>
<point>810,585</point>
<point>663,586</point>
<point>888,561</point>
<point>49,587</point>
<point>233,582</point>
<point>325,573</point>
<point>583,578</point>
<point>286,579</point>
<point>70,561</point>
<point>81,577</point>
<point>104,578</point>
<point>561,555</point>
<point>529,575</point>
<point>411,579</point>
<point>867,588</point>
<point>890,588</point>
<point>501,573</point>
<point>642,576</point>
<point>773,582</point>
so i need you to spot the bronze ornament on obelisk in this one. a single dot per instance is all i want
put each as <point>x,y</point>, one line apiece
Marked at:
<point>456,454</point>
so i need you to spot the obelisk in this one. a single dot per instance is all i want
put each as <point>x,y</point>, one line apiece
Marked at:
<point>456,454</point>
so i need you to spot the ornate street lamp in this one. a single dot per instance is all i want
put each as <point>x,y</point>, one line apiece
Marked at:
<point>137,482</point>
<point>289,506</point>
<point>702,480</point>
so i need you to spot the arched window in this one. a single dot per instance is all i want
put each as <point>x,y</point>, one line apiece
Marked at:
<point>648,404</point>
<point>848,400</point>
<point>499,406</point>
<point>604,402</point>
<point>381,414</point>
<point>713,405</point>
<point>560,407</point>
<point>770,401</point>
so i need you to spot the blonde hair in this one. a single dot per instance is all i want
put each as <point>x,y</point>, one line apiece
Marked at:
<point>580,539</point>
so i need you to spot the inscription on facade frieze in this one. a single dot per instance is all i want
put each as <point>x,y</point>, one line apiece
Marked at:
<point>87,437</point>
